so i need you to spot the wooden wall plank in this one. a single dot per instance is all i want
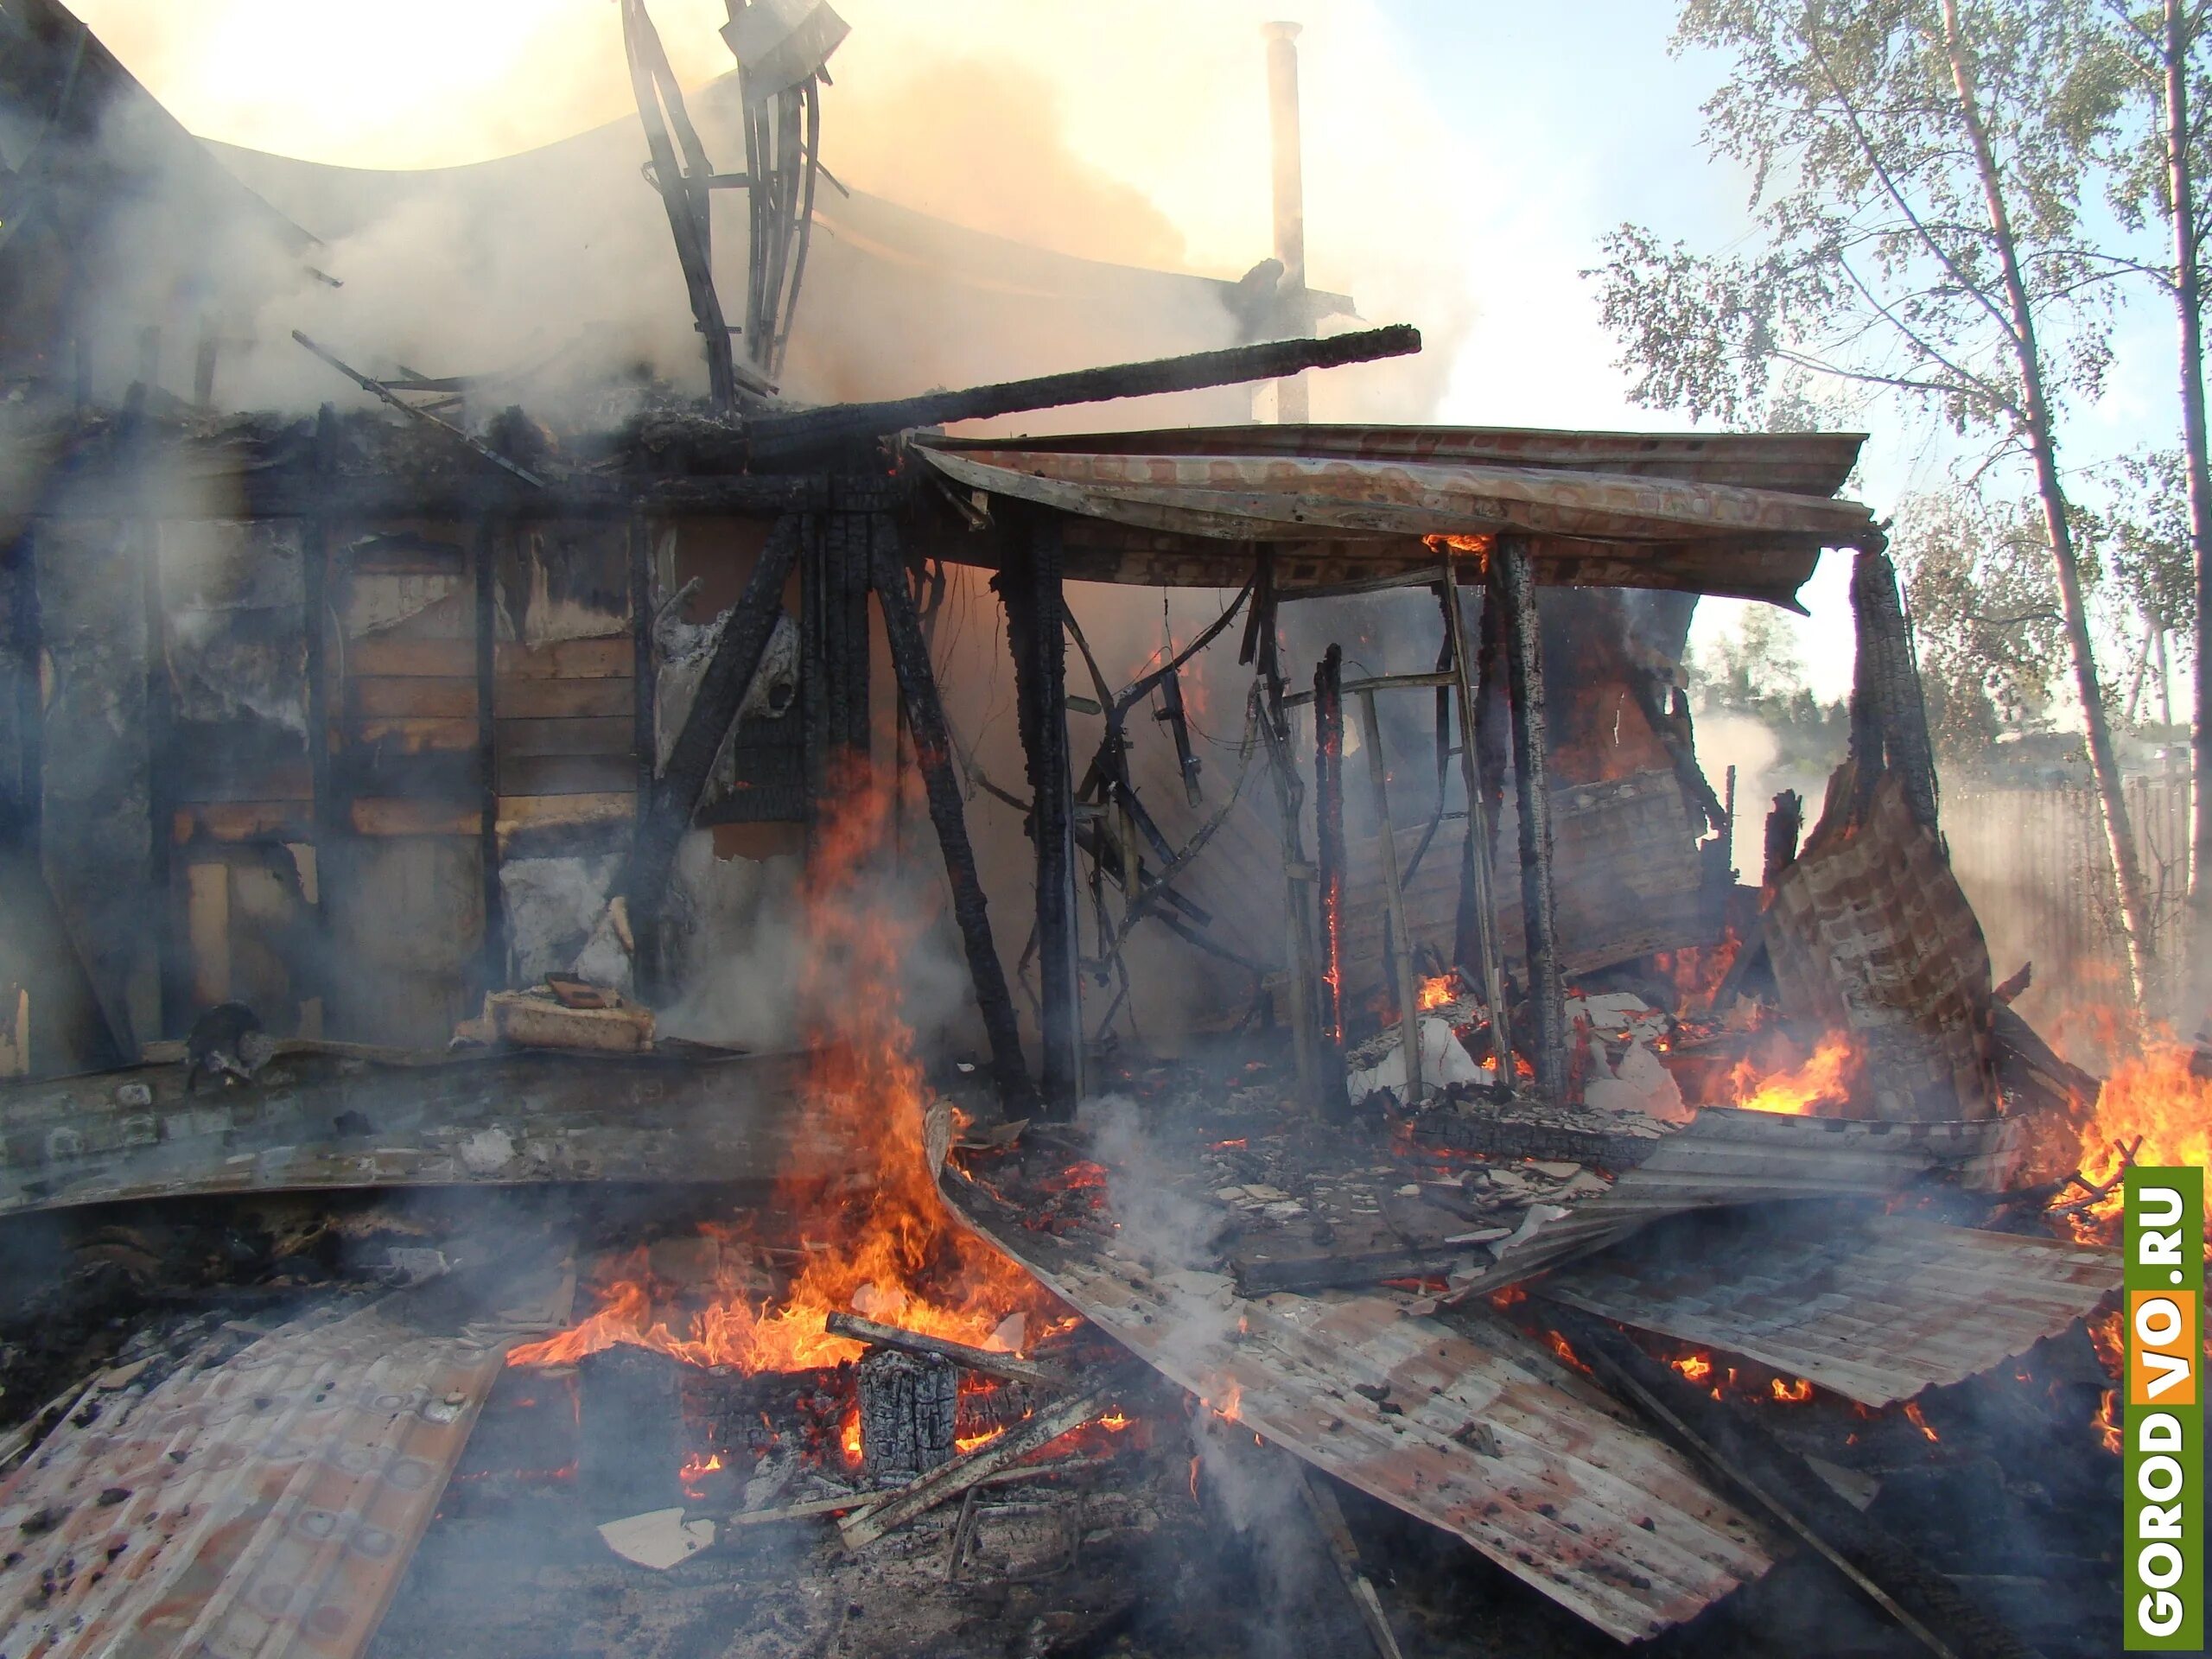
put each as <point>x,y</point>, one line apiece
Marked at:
<point>608,656</point>
<point>565,774</point>
<point>612,734</point>
<point>564,699</point>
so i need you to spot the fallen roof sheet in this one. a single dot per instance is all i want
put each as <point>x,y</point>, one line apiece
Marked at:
<point>266,1504</point>
<point>1728,1156</point>
<point>1876,1311</point>
<point>1587,527</point>
<point>1563,1492</point>
<point>317,1120</point>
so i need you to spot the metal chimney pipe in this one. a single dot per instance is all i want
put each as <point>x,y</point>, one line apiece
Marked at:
<point>1289,199</point>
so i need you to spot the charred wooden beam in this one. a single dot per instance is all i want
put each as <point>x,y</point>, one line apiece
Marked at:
<point>721,690</point>
<point>378,389</point>
<point>483,569</point>
<point>1395,899</point>
<point>910,660</point>
<point>1476,925</point>
<point>1011,1367</point>
<point>1036,609</point>
<point>293,490</point>
<point>1888,685</point>
<point>909,1410</point>
<point>864,1527</point>
<point>172,956</point>
<point>1728,1444</point>
<point>1513,592</point>
<point>315,609</point>
<point>781,440</point>
<point>1329,841</point>
<point>834,644</point>
<point>1783,826</point>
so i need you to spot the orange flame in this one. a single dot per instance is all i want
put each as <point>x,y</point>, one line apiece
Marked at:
<point>2150,1095</point>
<point>1695,1366</point>
<point>892,1253</point>
<point>1823,1080</point>
<point>1435,991</point>
<point>2107,1422</point>
<point>1912,1415</point>
<point>1791,1390</point>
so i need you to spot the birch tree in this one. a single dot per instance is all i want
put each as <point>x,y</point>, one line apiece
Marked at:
<point>1919,169</point>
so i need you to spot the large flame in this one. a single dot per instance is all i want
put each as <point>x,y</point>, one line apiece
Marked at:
<point>1824,1080</point>
<point>2150,1097</point>
<point>892,1253</point>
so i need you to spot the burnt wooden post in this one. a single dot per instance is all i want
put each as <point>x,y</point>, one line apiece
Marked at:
<point>1513,591</point>
<point>723,687</point>
<point>1394,897</point>
<point>1262,648</point>
<point>492,964</point>
<point>1886,699</point>
<point>314,607</point>
<point>833,632</point>
<point>1478,881</point>
<point>173,965</point>
<point>1329,844</point>
<point>909,1406</point>
<point>910,660</point>
<point>1035,599</point>
<point>644,730</point>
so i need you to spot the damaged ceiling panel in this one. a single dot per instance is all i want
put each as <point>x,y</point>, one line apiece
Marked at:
<point>263,1502</point>
<point>1877,1312</point>
<point>1470,1426</point>
<point>330,1120</point>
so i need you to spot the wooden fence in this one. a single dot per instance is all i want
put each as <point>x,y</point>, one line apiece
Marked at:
<point>2035,865</point>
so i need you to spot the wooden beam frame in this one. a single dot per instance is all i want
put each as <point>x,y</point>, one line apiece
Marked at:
<point>1513,591</point>
<point>933,754</point>
<point>1329,856</point>
<point>1037,634</point>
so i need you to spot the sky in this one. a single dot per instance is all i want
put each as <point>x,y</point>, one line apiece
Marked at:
<point>1463,158</point>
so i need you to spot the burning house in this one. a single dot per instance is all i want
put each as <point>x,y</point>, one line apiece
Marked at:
<point>541,987</point>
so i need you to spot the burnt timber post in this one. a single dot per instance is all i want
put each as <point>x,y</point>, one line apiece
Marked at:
<point>1329,854</point>
<point>910,660</point>
<point>723,687</point>
<point>1513,591</point>
<point>1263,649</point>
<point>1479,884</point>
<point>833,631</point>
<point>1035,599</point>
<point>492,960</point>
<point>1393,896</point>
<point>314,607</point>
<point>1886,698</point>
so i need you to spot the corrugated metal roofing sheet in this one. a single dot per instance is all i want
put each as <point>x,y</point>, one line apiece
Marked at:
<point>1575,1501</point>
<point>1727,1156</point>
<point>1614,529</point>
<point>267,1504</point>
<point>1877,1312</point>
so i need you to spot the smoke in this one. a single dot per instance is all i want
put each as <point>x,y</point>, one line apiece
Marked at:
<point>1737,740</point>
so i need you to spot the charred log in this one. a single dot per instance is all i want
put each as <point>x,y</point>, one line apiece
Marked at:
<point>908,1405</point>
<point>1513,592</point>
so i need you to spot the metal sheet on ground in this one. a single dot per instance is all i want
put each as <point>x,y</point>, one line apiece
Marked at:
<point>1561,1491</point>
<point>266,1504</point>
<point>1877,1312</point>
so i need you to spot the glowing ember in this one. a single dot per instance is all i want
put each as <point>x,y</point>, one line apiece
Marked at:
<point>1114,1422</point>
<point>1912,1415</point>
<point>964,1444</point>
<point>2107,1422</point>
<point>891,1252</point>
<point>1824,1080</point>
<point>849,1436</point>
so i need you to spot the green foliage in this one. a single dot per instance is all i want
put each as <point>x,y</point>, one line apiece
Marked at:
<point>1977,583</point>
<point>1879,265</point>
<point>1756,673</point>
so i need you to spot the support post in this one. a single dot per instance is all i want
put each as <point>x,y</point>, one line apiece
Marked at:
<point>1513,590</point>
<point>1032,589</point>
<point>1394,897</point>
<point>172,970</point>
<point>492,960</point>
<point>1479,884</point>
<point>933,753</point>
<point>729,675</point>
<point>1263,648</point>
<point>315,606</point>
<point>1329,841</point>
<point>1889,686</point>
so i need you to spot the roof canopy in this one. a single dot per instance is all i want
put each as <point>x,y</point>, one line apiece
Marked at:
<point>1742,514</point>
